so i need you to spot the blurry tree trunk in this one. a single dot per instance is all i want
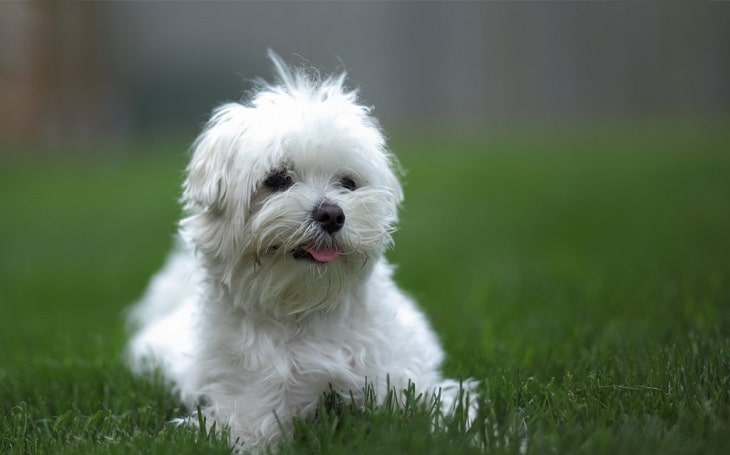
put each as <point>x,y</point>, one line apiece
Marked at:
<point>51,72</point>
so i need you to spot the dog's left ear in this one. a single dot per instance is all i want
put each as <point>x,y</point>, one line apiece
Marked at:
<point>213,158</point>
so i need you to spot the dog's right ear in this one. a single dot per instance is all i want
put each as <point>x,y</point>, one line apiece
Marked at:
<point>213,159</point>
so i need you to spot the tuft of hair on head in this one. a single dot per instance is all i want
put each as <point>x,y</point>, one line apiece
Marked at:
<point>304,82</point>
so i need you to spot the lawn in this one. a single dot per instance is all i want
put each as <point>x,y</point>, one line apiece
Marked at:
<point>583,278</point>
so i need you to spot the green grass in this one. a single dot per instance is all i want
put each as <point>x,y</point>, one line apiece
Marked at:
<point>584,279</point>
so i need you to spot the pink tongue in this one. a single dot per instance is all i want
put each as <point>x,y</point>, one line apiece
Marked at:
<point>324,255</point>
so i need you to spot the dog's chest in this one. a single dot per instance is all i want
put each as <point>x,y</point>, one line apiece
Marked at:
<point>299,368</point>
<point>326,357</point>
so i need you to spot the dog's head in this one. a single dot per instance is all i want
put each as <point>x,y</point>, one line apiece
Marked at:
<point>292,196</point>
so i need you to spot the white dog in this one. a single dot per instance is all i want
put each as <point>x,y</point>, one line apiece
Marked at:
<point>278,290</point>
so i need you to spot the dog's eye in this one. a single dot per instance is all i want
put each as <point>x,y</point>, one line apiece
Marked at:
<point>348,184</point>
<point>279,181</point>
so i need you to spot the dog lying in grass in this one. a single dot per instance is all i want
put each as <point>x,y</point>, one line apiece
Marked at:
<point>278,290</point>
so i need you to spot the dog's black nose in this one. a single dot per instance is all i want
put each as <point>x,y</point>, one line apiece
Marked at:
<point>329,216</point>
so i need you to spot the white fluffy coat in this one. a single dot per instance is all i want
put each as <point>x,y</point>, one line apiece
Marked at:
<point>243,318</point>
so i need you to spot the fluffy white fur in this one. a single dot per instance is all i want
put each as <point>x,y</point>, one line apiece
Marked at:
<point>242,317</point>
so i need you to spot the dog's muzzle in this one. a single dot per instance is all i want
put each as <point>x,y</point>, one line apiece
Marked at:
<point>330,218</point>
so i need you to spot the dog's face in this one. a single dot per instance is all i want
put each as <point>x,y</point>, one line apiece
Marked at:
<point>292,198</point>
